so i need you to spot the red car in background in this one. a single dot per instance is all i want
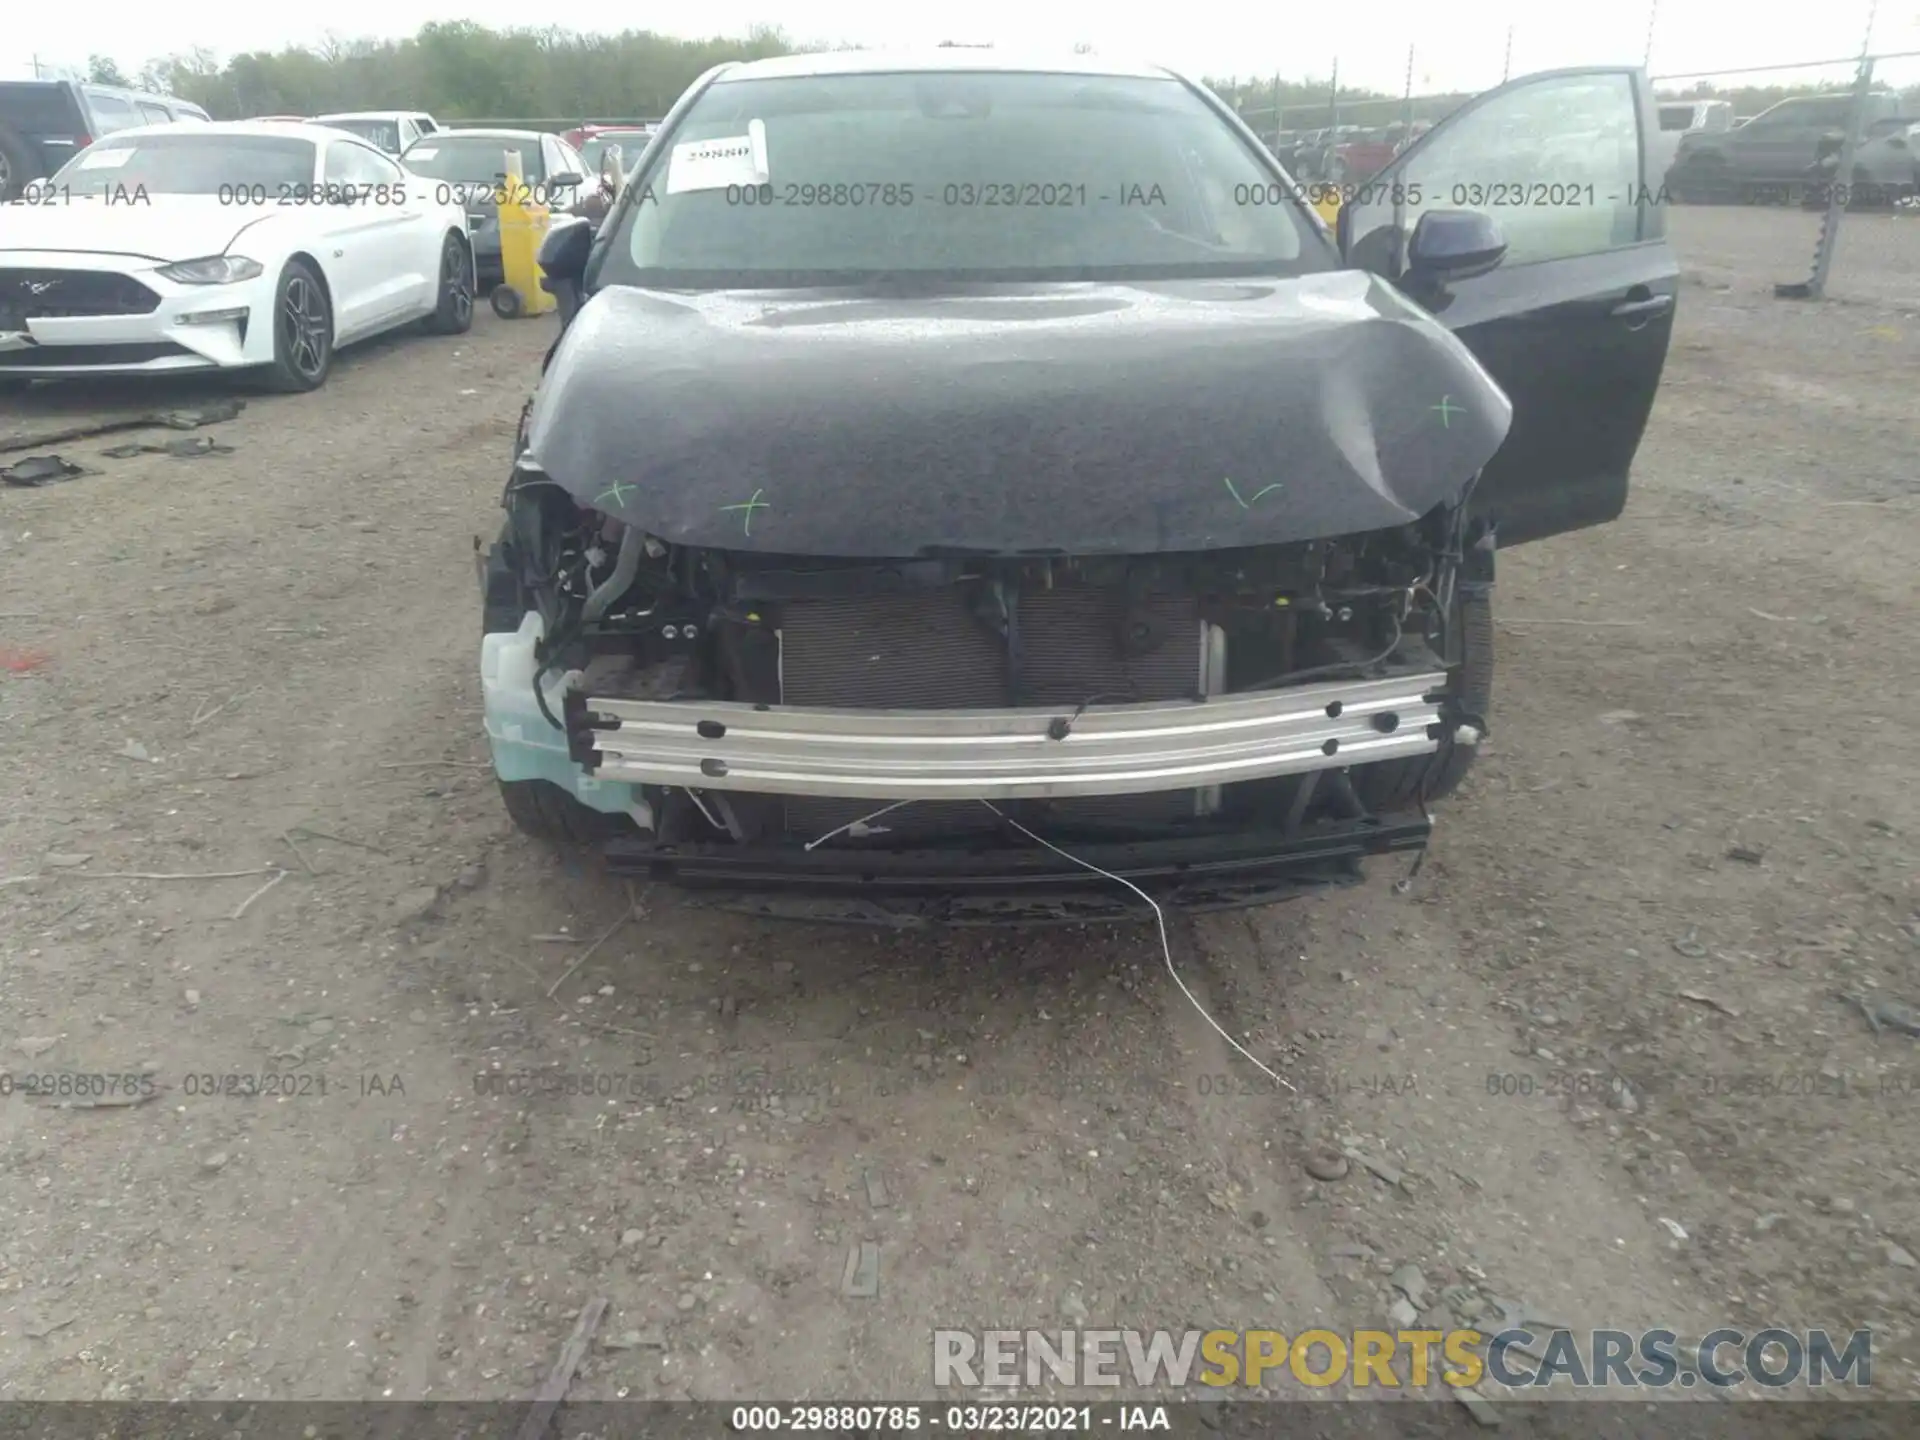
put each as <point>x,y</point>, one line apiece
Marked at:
<point>1371,151</point>
<point>581,134</point>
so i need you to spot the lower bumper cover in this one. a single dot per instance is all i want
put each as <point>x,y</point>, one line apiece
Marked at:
<point>1007,884</point>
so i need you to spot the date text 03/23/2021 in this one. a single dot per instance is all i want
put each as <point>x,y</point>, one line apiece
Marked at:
<point>880,1419</point>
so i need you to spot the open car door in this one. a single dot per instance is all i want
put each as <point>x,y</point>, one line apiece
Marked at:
<point>1574,321</point>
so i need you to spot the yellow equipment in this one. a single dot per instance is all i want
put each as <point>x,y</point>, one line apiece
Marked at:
<point>1328,204</point>
<point>523,225</point>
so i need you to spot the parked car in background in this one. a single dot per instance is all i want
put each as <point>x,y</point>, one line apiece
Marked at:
<point>1886,169</point>
<point>581,134</point>
<point>1370,150</point>
<point>389,131</point>
<point>1774,152</point>
<point>1678,119</point>
<point>277,120</point>
<point>252,246</point>
<point>470,170</point>
<point>631,140</point>
<point>1320,159</point>
<point>849,571</point>
<point>45,123</point>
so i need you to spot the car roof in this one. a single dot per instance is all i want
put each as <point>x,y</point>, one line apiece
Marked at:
<point>484,135</point>
<point>130,92</point>
<point>954,58</point>
<point>274,129</point>
<point>369,114</point>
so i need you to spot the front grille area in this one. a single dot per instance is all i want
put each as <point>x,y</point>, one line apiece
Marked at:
<point>38,355</point>
<point>60,294</point>
<point>928,652</point>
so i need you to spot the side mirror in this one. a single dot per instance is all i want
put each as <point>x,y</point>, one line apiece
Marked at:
<point>1450,245</point>
<point>565,180</point>
<point>563,259</point>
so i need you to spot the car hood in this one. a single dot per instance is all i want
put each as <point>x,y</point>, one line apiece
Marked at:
<point>1076,419</point>
<point>162,228</point>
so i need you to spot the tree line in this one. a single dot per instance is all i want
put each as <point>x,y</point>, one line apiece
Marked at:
<point>459,70</point>
<point>455,70</point>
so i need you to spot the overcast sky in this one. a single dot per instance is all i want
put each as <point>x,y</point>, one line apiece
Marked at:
<point>1459,45</point>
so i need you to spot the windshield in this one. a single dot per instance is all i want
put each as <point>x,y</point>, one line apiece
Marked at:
<point>473,159</point>
<point>384,134</point>
<point>980,174</point>
<point>1676,117</point>
<point>191,164</point>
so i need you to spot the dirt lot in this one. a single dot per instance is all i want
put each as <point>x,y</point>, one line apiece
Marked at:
<point>1671,857</point>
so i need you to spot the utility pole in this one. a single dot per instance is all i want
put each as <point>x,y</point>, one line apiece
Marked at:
<point>1506,65</point>
<point>1406,103</point>
<point>1653,13</point>
<point>36,67</point>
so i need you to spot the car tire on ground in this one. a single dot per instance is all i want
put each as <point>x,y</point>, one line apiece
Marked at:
<point>454,313</point>
<point>302,331</point>
<point>1397,784</point>
<point>543,810</point>
<point>18,164</point>
<point>540,808</point>
<point>506,302</point>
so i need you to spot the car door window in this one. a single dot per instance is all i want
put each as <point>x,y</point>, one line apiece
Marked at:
<point>363,169</point>
<point>1556,161</point>
<point>111,113</point>
<point>154,114</point>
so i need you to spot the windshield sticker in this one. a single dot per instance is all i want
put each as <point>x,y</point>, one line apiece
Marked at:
<point>426,153</point>
<point>104,159</point>
<point>716,164</point>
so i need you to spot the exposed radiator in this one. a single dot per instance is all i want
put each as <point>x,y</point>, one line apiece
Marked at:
<point>926,651</point>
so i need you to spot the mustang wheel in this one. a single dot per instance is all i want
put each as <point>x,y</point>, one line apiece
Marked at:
<point>454,316</point>
<point>302,331</point>
<point>1389,785</point>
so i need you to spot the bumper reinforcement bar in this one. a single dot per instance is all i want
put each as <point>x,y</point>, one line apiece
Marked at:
<point>1028,753</point>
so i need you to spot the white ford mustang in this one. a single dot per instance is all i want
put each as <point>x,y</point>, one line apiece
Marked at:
<point>221,247</point>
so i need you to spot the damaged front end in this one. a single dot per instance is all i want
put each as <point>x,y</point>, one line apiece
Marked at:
<point>978,739</point>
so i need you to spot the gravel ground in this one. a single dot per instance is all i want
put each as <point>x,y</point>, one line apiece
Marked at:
<point>1671,861</point>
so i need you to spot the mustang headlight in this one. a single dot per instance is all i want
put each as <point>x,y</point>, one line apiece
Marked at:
<point>213,270</point>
